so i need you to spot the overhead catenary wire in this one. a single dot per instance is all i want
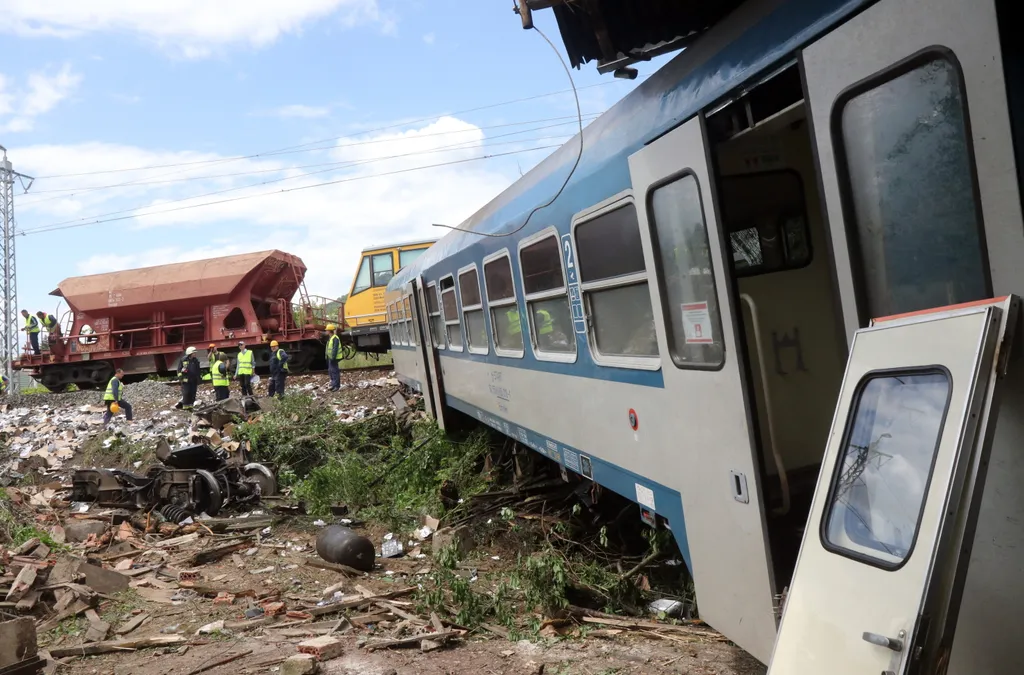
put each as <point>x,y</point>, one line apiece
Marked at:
<point>332,166</point>
<point>290,148</point>
<point>568,177</point>
<point>339,181</point>
<point>75,191</point>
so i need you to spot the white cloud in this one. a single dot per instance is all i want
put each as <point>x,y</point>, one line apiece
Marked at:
<point>41,93</point>
<point>429,38</point>
<point>377,195</point>
<point>193,27</point>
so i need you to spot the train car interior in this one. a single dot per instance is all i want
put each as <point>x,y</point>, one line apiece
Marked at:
<point>771,215</point>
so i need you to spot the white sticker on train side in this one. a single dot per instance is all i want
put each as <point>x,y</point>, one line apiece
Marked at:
<point>572,460</point>
<point>697,323</point>
<point>645,496</point>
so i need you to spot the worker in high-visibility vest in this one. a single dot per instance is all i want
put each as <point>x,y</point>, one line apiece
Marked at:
<point>278,370</point>
<point>245,366</point>
<point>50,323</point>
<point>32,328</point>
<point>220,378</point>
<point>113,398</point>
<point>333,354</point>
<point>5,384</point>
<point>545,324</point>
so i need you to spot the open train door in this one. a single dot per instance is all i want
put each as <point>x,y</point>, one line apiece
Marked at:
<point>703,369</point>
<point>878,582</point>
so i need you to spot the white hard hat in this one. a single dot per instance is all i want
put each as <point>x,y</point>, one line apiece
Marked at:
<point>190,350</point>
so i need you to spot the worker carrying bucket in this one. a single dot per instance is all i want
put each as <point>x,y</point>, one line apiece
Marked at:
<point>113,398</point>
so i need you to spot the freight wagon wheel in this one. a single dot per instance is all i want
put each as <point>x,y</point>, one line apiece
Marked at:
<point>208,497</point>
<point>263,476</point>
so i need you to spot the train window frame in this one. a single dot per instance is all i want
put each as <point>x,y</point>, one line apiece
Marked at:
<point>410,334</point>
<point>432,316</point>
<point>501,303</point>
<point>373,268</point>
<point>620,201</point>
<point>449,323</point>
<point>843,174</point>
<point>418,251</point>
<point>798,210</point>
<point>837,470</point>
<point>364,263</point>
<point>550,232</point>
<point>659,267</point>
<point>478,307</point>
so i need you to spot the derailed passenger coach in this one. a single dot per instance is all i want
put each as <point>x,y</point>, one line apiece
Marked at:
<point>775,305</point>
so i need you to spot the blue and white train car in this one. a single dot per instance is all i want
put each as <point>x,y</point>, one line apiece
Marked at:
<point>774,305</point>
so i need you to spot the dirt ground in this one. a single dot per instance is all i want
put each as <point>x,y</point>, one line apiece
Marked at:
<point>587,651</point>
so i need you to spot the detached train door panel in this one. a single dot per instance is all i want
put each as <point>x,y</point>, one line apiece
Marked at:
<point>876,585</point>
<point>910,117</point>
<point>709,439</point>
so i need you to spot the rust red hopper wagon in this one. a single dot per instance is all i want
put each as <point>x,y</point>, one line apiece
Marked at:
<point>143,319</point>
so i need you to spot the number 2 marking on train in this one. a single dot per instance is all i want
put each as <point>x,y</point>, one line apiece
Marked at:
<point>568,254</point>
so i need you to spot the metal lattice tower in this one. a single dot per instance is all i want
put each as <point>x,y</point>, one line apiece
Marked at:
<point>8,269</point>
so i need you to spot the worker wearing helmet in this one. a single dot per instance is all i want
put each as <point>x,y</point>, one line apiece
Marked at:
<point>278,370</point>
<point>188,373</point>
<point>220,378</point>
<point>113,399</point>
<point>245,366</point>
<point>333,355</point>
<point>32,328</point>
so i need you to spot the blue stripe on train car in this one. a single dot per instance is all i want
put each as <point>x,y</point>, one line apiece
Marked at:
<point>655,497</point>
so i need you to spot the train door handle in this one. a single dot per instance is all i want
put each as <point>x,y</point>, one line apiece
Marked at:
<point>882,641</point>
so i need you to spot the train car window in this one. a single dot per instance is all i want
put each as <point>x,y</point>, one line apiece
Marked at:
<point>406,258</point>
<point>364,279</point>
<point>506,324</point>
<point>410,333</point>
<point>910,189</point>
<point>882,477</point>
<point>548,314</point>
<point>680,238</point>
<point>383,268</point>
<point>766,218</point>
<point>450,309</point>
<point>473,311</point>
<point>436,320</point>
<point>403,318</point>
<point>613,279</point>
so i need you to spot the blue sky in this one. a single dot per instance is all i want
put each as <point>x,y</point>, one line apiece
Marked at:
<point>101,86</point>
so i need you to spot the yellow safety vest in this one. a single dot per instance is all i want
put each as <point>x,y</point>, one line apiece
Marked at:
<point>546,324</point>
<point>277,355</point>
<point>49,321</point>
<point>245,366</point>
<point>330,348</point>
<point>514,326</point>
<point>32,324</point>
<point>219,379</point>
<point>109,395</point>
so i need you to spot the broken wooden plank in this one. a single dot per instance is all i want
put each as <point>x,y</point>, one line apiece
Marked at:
<point>27,547</point>
<point>28,602</point>
<point>118,646</point>
<point>397,611</point>
<point>98,628</point>
<point>73,609</point>
<point>220,662</point>
<point>22,583</point>
<point>414,639</point>
<point>359,601</point>
<point>647,625</point>
<point>334,567</point>
<point>132,624</point>
<point>214,554</point>
<point>177,541</point>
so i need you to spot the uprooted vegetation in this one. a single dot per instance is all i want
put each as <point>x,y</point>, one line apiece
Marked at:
<point>564,547</point>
